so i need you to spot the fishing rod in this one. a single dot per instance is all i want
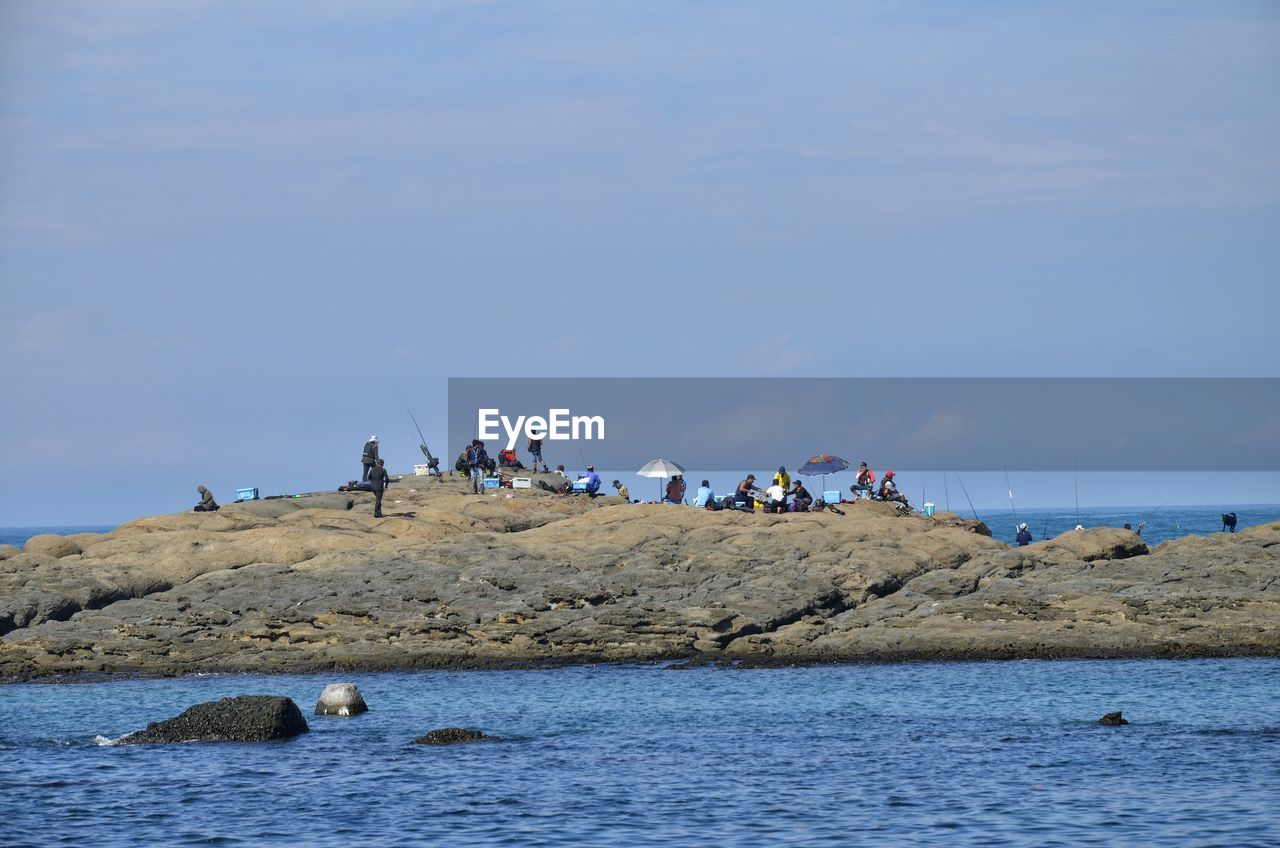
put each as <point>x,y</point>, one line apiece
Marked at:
<point>966,495</point>
<point>1075,476</point>
<point>946,490</point>
<point>433,463</point>
<point>1010,488</point>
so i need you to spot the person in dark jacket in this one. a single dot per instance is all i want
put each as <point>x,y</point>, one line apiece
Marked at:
<point>207,503</point>
<point>802,499</point>
<point>1024,535</point>
<point>370,457</point>
<point>478,462</point>
<point>378,477</point>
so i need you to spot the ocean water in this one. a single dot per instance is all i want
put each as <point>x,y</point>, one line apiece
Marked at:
<point>1162,523</point>
<point>19,535</point>
<point>930,753</point>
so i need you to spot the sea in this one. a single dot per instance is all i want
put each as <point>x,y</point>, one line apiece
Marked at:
<point>979,753</point>
<point>984,753</point>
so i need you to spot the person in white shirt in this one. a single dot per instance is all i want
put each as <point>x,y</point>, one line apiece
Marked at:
<point>777,498</point>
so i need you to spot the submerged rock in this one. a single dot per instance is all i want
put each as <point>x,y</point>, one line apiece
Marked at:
<point>245,718</point>
<point>1114,719</point>
<point>341,699</point>
<point>450,736</point>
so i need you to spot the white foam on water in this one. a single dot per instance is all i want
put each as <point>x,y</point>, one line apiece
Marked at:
<point>105,740</point>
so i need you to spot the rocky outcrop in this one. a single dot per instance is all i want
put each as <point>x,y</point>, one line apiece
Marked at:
<point>450,736</point>
<point>341,699</point>
<point>1114,719</point>
<point>246,718</point>
<point>449,580</point>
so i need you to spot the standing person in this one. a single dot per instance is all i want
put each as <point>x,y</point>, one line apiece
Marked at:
<point>535,453</point>
<point>782,478</point>
<point>378,477</point>
<point>1024,535</point>
<point>622,491</point>
<point>478,463</point>
<point>207,503</point>
<point>705,497</point>
<point>865,481</point>
<point>369,458</point>
<point>675,490</point>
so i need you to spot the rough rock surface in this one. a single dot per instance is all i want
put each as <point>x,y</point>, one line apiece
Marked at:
<point>450,735</point>
<point>245,718</point>
<point>1114,719</point>
<point>455,580</point>
<point>341,699</point>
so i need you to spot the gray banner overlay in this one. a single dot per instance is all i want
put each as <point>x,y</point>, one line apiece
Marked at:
<point>927,424</point>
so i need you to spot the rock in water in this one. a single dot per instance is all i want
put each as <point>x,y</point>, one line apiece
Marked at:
<point>245,718</point>
<point>341,699</point>
<point>1114,719</point>
<point>450,735</point>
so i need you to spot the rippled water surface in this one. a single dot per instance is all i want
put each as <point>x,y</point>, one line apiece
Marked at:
<point>980,753</point>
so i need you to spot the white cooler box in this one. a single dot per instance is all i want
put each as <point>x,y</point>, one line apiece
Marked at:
<point>522,482</point>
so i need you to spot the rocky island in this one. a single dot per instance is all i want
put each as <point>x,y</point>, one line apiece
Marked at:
<point>449,580</point>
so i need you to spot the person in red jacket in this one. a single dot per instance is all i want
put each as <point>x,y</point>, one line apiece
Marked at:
<point>865,483</point>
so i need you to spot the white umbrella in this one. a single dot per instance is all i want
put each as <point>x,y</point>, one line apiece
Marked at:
<point>660,468</point>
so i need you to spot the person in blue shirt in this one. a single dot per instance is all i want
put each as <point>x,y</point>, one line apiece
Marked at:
<point>705,495</point>
<point>593,480</point>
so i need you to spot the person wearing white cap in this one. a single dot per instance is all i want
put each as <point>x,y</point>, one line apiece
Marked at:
<point>370,456</point>
<point>1024,535</point>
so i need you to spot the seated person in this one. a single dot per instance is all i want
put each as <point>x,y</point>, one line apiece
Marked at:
<point>705,495</point>
<point>507,459</point>
<point>622,491</point>
<point>777,499</point>
<point>675,490</point>
<point>592,479</point>
<point>865,482</point>
<point>207,503</point>
<point>889,489</point>
<point>744,497</point>
<point>803,500</point>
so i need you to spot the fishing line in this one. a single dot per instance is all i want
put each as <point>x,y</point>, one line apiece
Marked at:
<point>966,496</point>
<point>1010,488</point>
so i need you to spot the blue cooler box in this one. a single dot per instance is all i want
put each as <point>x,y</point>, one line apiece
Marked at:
<point>580,487</point>
<point>247,494</point>
<point>831,497</point>
<point>492,482</point>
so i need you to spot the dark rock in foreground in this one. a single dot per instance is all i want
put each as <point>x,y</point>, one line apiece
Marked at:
<point>245,718</point>
<point>1114,719</point>
<point>450,736</point>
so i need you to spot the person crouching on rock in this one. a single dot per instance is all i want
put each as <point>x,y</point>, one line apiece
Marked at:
<point>1024,535</point>
<point>622,491</point>
<point>378,477</point>
<point>802,499</point>
<point>207,503</point>
<point>675,490</point>
<point>745,495</point>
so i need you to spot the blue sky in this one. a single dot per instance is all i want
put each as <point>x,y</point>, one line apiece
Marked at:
<point>237,238</point>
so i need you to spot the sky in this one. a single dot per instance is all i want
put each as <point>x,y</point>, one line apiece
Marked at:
<point>238,238</point>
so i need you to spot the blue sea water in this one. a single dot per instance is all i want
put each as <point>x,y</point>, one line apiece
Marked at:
<point>929,753</point>
<point>19,535</point>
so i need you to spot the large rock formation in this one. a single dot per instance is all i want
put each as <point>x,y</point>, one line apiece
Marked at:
<point>452,580</point>
<point>246,718</point>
